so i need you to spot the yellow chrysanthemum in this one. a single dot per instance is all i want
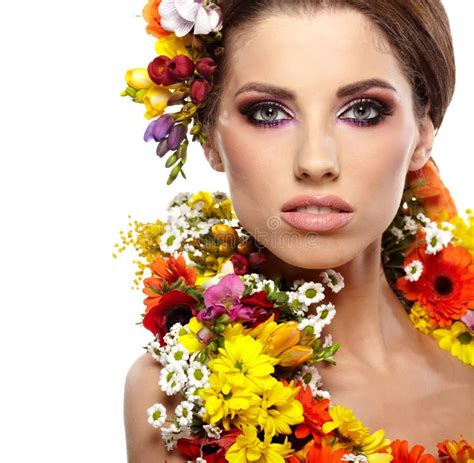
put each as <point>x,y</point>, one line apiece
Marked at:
<point>190,340</point>
<point>347,425</point>
<point>421,319</point>
<point>279,409</point>
<point>248,447</point>
<point>464,231</point>
<point>229,402</point>
<point>232,330</point>
<point>373,444</point>
<point>171,46</point>
<point>242,361</point>
<point>457,340</point>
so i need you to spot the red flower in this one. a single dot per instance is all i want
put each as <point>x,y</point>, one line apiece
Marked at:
<point>240,263</point>
<point>199,90</point>
<point>174,306</point>
<point>415,455</point>
<point>315,413</point>
<point>181,67</point>
<point>446,285</point>
<point>324,454</point>
<point>262,307</point>
<point>159,72</point>
<point>213,450</point>
<point>206,66</point>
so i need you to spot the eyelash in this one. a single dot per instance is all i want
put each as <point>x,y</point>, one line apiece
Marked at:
<point>382,108</point>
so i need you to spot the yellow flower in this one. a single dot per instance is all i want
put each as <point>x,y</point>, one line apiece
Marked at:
<point>229,403</point>
<point>171,46</point>
<point>212,276</point>
<point>190,340</point>
<point>248,448</point>
<point>155,100</point>
<point>205,198</point>
<point>458,340</point>
<point>464,231</point>
<point>279,409</point>
<point>138,79</point>
<point>243,362</point>
<point>225,211</point>
<point>372,444</point>
<point>347,425</point>
<point>421,319</point>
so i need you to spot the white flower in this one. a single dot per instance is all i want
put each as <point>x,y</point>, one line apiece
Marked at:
<point>212,431</point>
<point>413,270</point>
<point>173,433</point>
<point>156,415</point>
<point>178,355</point>
<point>410,225</point>
<point>361,458</point>
<point>184,413</point>
<point>154,348</point>
<point>180,16</point>
<point>311,377</point>
<point>436,238</point>
<point>193,396</point>
<point>422,218</point>
<point>265,285</point>
<point>297,283</point>
<point>179,199</point>
<point>250,280</point>
<point>170,241</point>
<point>310,293</point>
<point>218,196</point>
<point>325,313</point>
<point>314,322</point>
<point>198,375</point>
<point>397,233</point>
<point>295,305</point>
<point>172,379</point>
<point>333,279</point>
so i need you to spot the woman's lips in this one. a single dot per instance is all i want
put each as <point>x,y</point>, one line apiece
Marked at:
<point>317,222</point>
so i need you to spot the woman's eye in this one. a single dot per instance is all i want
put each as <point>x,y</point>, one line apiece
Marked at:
<point>265,114</point>
<point>366,112</point>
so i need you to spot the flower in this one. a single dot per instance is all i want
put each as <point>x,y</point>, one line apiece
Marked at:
<point>248,447</point>
<point>152,17</point>
<point>180,16</point>
<point>156,100</point>
<point>446,286</point>
<point>413,270</point>
<point>374,445</point>
<point>262,307</point>
<point>172,379</point>
<point>468,319</point>
<point>199,89</point>
<point>174,306</point>
<point>310,293</point>
<point>347,425</point>
<point>243,362</point>
<point>333,280</point>
<point>206,66</point>
<point>324,454</point>
<point>421,319</point>
<point>458,340</point>
<point>184,413</point>
<point>156,415</point>
<point>240,263</point>
<point>401,454</point>
<point>436,238</point>
<point>456,452</point>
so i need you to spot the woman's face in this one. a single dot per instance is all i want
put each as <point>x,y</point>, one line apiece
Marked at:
<point>317,137</point>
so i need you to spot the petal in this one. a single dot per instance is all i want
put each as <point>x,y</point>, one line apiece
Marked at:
<point>187,9</point>
<point>177,24</point>
<point>201,25</point>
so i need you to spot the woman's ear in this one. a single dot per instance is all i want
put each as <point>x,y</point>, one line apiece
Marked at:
<point>213,156</point>
<point>422,151</point>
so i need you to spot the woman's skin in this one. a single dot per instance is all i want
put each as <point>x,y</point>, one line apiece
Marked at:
<point>392,376</point>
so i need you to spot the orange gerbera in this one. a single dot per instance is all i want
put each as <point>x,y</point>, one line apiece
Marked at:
<point>456,452</point>
<point>427,186</point>
<point>315,413</point>
<point>324,454</point>
<point>153,18</point>
<point>415,455</point>
<point>446,286</point>
<point>169,270</point>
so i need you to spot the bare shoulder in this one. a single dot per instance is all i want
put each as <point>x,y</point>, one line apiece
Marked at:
<point>144,443</point>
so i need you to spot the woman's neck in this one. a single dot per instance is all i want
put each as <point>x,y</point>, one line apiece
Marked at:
<point>370,322</point>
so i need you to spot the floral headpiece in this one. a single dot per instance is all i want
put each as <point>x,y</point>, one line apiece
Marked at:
<point>189,50</point>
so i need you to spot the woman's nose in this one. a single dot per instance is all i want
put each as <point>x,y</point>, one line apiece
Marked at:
<point>317,158</point>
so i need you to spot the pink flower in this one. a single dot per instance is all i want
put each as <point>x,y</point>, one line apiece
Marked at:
<point>199,90</point>
<point>181,67</point>
<point>206,66</point>
<point>240,263</point>
<point>468,319</point>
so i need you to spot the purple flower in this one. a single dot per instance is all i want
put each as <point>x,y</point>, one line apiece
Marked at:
<point>468,319</point>
<point>159,128</point>
<point>241,313</point>
<point>176,136</point>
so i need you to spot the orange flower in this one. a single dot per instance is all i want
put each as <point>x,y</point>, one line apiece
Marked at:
<point>446,286</point>
<point>169,270</point>
<point>427,186</point>
<point>456,452</point>
<point>315,414</point>
<point>324,454</point>
<point>415,455</point>
<point>153,18</point>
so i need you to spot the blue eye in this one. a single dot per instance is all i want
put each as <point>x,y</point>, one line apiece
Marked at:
<point>364,110</point>
<point>267,112</point>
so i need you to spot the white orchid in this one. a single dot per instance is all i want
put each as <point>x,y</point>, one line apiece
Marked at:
<point>180,16</point>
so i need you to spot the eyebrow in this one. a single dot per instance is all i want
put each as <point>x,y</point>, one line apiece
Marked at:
<point>285,93</point>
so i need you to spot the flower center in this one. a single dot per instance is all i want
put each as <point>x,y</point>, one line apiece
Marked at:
<point>180,313</point>
<point>443,285</point>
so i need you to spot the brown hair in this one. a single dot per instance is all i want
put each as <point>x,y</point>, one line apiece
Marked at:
<point>417,30</point>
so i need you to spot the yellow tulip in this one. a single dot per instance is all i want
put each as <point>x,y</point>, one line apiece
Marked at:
<point>138,78</point>
<point>284,337</point>
<point>295,355</point>
<point>156,100</point>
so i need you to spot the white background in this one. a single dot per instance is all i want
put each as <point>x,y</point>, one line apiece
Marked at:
<point>73,165</point>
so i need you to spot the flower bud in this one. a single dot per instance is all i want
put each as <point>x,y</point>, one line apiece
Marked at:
<point>181,67</point>
<point>176,136</point>
<point>224,319</point>
<point>256,259</point>
<point>206,66</point>
<point>159,72</point>
<point>224,233</point>
<point>225,249</point>
<point>178,96</point>
<point>245,247</point>
<point>219,328</point>
<point>162,127</point>
<point>204,335</point>
<point>284,337</point>
<point>199,90</point>
<point>172,160</point>
<point>295,356</point>
<point>162,148</point>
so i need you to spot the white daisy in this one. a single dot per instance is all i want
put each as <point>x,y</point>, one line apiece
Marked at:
<point>413,270</point>
<point>178,354</point>
<point>170,241</point>
<point>173,433</point>
<point>397,232</point>
<point>265,285</point>
<point>212,431</point>
<point>179,199</point>
<point>310,293</point>
<point>184,413</point>
<point>423,218</point>
<point>192,395</point>
<point>314,322</point>
<point>295,305</point>
<point>333,279</point>
<point>156,415</point>
<point>360,458</point>
<point>325,313</point>
<point>154,348</point>
<point>410,225</point>
<point>172,379</point>
<point>436,238</point>
<point>297,283</point>
<point>198,375</point>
